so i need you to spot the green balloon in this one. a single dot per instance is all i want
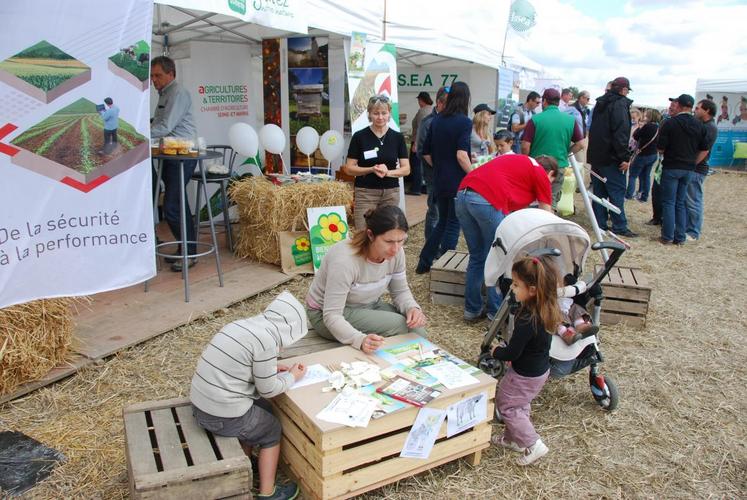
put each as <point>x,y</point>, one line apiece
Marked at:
<point>522,16</point>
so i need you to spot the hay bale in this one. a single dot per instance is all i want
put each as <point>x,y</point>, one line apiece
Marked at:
<point>34,338</point>
<point>265,209</point>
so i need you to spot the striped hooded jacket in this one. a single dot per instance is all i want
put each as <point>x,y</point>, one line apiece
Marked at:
<point>239,365</point>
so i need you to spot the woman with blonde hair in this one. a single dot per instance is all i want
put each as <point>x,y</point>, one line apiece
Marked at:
<point>377,157</point>
<point>645,156</point>
<point>480,139</point>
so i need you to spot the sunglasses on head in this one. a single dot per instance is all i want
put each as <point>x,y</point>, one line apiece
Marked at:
<point>378,98</point>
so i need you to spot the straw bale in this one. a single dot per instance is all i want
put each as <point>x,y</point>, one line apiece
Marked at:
<point>34,338</point>
<point>265,209</point>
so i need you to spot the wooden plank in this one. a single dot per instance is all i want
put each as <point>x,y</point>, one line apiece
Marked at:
<point>169,444</point>
<point>639,277</point>
<point>608,318</point>
<point>302,468</point>
<point>448,276</point>
<point>284,405</point>
<point>156,405</point>
<point>626,276</point>
<point>197,440</point>
<point>229,447</point>
<point>626,307</point>
<point>300,441</point>
<point>200,480</point>
<point>633,294</point>
<point>146,315</point>
<point>311,342</point>
<point>138,446</point>
<point>447,288</point>
<point>462,267</point>
<point>443,261</point>
<point>451,300</point>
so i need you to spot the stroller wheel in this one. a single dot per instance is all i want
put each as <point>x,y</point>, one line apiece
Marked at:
<point>605,391</point>
<point>493,367</point>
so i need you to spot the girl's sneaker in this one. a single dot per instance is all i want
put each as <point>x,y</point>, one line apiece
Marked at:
<point>499,440</point>
<point>533,453</point>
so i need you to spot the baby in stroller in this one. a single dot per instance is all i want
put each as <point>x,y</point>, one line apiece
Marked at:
<point>577,322</point>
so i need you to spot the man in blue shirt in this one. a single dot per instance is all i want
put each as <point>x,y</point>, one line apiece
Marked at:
<point>110,115</point>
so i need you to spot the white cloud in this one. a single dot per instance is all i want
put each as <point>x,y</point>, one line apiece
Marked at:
<point>663,47</point>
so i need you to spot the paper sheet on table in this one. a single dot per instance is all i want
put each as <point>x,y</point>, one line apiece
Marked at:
<point>349,408</point>
<point>466,414</point>
<point>450,375</point>
<point>314,374</point>
<point>423,434</point>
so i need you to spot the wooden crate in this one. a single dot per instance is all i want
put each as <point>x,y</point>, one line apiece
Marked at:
<point>626,297</point>
<point>170,457</point>
<point>448,275</point>
<point>334,461</point>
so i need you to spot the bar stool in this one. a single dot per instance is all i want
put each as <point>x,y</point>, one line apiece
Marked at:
<point>229,157</point>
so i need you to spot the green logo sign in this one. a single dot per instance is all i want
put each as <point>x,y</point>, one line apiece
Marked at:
<point>523,17</point>
<point>237,6</point>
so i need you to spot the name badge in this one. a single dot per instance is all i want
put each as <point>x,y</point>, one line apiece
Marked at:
<point>370,154</point>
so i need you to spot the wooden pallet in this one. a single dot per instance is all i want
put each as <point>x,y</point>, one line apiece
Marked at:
<point>626,297</point>
<point>170,457</point>
<point>334,461</point>
<point>448,275</point>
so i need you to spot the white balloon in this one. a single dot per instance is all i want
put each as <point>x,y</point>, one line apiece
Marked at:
<point>272,138</point>
<point>307,140</point>
<point>331,144</point>
<point>243,139</point>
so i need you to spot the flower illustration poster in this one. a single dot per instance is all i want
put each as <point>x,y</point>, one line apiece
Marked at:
<point>327,226</point>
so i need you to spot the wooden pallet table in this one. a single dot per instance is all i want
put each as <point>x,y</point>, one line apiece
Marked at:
<point>626,297</point>
<point>170,457</point>
<point>448,275</point>
<point>334,461</point>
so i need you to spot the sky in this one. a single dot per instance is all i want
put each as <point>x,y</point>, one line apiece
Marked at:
<point>662,46</point>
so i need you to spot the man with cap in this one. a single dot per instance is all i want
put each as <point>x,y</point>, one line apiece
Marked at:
<point>608,154</point>
<point>416,166</point>
<point>684,143</point>
<point>481,138</point>
<point>552,133</point>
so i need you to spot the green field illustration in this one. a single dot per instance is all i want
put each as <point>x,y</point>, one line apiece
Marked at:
<point>44,72</point>
<point>74,137</point>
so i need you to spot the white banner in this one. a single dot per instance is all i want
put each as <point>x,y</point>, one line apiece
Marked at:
<point>76,212</point>
<point>289,15</point>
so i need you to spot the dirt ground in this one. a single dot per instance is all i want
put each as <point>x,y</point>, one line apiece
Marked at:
<point>680,430</point>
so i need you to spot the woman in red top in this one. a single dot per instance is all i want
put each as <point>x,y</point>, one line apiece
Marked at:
<point>485,196</point>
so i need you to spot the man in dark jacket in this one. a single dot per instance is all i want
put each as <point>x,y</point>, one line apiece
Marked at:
<point>683,142</point>
<point>608,154</point>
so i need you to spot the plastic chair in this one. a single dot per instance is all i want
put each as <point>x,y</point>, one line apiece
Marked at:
<point>229,157</point>
<point>740,152</point>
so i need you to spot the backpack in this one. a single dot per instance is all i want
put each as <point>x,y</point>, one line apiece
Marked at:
<point>518,110</point>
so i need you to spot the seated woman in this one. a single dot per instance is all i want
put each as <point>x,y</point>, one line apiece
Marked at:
<point>344,301</point>
<point>377,157</point>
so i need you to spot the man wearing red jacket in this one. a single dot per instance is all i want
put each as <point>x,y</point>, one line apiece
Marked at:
<point>485,196</point>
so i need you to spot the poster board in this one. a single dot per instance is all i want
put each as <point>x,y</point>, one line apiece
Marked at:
<point>327,226</point>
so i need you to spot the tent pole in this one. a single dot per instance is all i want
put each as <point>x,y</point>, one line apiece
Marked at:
<point>383,24</point>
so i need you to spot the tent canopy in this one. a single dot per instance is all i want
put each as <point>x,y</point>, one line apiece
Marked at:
<point>416,28</point>
<point>735,86</point>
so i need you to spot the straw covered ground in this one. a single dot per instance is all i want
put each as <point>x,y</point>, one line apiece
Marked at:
<point>680,430</point>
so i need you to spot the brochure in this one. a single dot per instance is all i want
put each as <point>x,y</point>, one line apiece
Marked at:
<point>408,391</point>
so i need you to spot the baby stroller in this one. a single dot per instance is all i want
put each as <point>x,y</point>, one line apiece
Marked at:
<point>534,232</point>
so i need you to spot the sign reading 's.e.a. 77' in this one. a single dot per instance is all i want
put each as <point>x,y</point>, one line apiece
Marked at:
<point>424,80</point>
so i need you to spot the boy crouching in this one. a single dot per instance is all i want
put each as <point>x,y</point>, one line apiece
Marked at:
<point>237,370</point>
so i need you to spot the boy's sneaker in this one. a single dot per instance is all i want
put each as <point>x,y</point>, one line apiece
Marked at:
<point>287,491</point>
<point>500,441</point>
<point>533,453</point>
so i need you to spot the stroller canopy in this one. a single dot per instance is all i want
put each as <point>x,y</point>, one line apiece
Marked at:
<point>532,228</point>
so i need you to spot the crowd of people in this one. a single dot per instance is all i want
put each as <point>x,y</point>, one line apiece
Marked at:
<point>525,166</point>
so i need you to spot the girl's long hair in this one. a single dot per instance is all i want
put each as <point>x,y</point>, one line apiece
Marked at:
<point>540,273</point>
<point>458,100</point>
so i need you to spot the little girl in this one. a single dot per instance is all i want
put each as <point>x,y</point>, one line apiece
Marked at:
<point>535,288</point>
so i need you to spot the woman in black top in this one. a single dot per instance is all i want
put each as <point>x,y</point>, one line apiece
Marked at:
<point>640,169</point>
<point>377,157</point>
